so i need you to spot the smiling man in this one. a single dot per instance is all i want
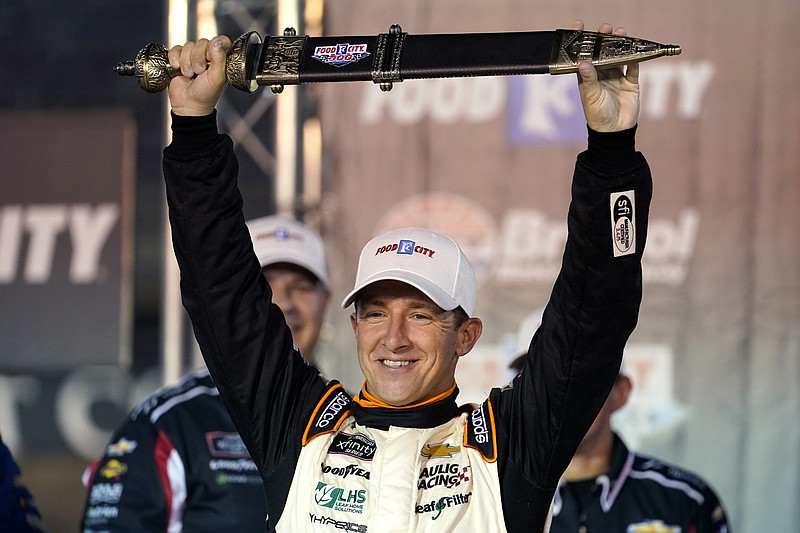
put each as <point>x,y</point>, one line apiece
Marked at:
<point>401,455</point>
<point>408,345</point>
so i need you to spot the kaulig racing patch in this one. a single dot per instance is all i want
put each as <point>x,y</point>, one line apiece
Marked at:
<point>623,223</point>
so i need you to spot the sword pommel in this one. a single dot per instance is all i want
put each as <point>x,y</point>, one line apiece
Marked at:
<point>602,50</point>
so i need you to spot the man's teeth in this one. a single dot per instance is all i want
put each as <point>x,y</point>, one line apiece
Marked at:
<point>396,364</point>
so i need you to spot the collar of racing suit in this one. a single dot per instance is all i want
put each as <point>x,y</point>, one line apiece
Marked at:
<point>620,461</point>
<point>372,412</point>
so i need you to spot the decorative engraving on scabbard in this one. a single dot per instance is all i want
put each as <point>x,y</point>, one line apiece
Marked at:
<point>280,62</point>
<point>570,47</point>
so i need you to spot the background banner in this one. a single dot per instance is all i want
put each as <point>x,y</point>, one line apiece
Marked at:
<point>66,239</point>
<point>489,160</point>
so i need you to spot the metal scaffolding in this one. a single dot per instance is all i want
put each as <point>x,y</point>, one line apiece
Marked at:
<point>277,139</point>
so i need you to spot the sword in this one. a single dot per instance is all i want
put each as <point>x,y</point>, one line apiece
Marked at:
<point>394,56</point>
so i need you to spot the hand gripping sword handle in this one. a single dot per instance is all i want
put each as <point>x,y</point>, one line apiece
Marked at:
<point>153,71</point>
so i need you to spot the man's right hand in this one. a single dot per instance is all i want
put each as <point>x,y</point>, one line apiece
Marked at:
<point>610,97</point>
<point>202,81</point>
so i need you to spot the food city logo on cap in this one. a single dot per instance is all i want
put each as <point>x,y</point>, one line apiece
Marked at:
<point>280,234</point>
<point>340,54</point>
<point>405,247</point>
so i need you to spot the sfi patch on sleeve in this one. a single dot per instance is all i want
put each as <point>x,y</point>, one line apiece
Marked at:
<point>623,223</point>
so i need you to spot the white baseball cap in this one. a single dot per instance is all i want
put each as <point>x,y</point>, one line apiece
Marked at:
<point>282,240</point>
<point>428,261</point>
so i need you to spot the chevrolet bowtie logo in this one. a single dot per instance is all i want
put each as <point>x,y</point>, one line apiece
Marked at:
<point>440,450</point>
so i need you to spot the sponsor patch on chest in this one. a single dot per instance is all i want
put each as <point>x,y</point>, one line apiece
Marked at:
<point>354,445</point>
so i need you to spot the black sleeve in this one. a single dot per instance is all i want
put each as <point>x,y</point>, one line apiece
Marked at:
<point>575,355</point>
<point>265,384</point>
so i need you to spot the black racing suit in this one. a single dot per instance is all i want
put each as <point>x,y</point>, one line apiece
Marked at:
<point>638,493</point>
<point>176,464</point>
<point>280,404</point>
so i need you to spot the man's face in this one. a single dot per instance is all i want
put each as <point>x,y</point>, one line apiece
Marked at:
<point>303,301</point>
<point>407,346</point>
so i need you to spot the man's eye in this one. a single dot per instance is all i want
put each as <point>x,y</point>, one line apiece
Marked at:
<point>420,316</point>
<point>303,287</point>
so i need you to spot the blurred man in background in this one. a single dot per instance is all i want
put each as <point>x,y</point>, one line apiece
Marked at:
<point>178,464</point>
<point>608,488</point>
<point>18,514</point>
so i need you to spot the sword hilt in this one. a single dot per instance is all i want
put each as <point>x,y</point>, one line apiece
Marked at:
<point>153,71</point>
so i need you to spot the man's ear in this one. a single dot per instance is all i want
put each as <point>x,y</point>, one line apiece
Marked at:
<point>620,393</point>
<point>468,334</point>
<point>354,324</point>
<point>325,299</point>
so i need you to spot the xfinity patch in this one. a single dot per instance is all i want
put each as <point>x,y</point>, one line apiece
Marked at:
<point>623,223</point>
<point>356,445</point>
<point>340,54</point>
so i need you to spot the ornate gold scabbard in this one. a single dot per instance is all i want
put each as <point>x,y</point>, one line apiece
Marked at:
<point>396,56</point>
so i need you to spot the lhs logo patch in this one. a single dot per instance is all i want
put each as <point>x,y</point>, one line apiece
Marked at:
<point>339,499</point>
<point>623,223</point>
<point>340,54</point>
